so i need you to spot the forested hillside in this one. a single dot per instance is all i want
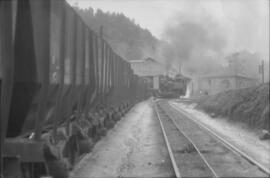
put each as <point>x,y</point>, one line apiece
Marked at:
<point>128,39</point>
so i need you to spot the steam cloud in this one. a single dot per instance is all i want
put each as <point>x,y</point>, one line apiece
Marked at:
<point>198,43</point>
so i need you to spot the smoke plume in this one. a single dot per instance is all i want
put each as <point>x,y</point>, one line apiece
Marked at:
<point>195,42</point>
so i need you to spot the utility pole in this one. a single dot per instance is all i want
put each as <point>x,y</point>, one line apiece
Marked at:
<point>261,70</point>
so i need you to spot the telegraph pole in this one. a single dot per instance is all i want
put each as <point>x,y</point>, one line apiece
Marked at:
<point>261,70</point>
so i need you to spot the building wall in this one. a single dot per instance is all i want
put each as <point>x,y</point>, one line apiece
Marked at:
<point>245,83</point>
<point>156,82</point>
<point>216,85</point>
<point>150,70</point>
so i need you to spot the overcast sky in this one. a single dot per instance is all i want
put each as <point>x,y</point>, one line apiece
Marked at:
<point>244,23</point>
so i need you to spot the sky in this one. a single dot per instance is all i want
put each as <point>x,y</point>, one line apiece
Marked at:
<point>244,23</point>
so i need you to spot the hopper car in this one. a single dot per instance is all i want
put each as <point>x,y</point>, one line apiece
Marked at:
<point>62,87</point>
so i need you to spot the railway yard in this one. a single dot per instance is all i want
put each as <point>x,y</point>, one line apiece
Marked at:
<point>87,93</point>
<point>159,138</point>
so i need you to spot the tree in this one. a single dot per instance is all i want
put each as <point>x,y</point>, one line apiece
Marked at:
<point>128,39</point>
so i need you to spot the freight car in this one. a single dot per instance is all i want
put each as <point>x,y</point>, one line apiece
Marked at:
<point>62,86</point>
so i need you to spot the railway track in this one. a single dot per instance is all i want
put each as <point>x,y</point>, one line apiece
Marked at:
<point>227,143</point>
<point>196,153</point>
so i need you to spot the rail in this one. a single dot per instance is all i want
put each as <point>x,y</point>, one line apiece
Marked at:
<point>176,168</point>
<point>226,143</point>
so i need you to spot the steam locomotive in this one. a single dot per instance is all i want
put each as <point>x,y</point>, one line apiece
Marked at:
<point>173,87</point>
<point>62,87</point>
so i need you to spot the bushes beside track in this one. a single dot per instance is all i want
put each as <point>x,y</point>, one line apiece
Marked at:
<point>249,105</point>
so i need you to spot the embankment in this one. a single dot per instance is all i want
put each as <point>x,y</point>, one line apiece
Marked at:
<point>249,105</point>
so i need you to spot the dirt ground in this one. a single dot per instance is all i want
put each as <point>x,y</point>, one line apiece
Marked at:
<point>133,148</point>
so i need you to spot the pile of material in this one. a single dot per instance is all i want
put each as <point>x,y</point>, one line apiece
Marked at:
<point>249,105</point>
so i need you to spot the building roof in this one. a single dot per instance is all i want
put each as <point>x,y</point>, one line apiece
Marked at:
<point>144,60</point>
<point>136,61</point>
<point>149,59</point>
<point>147,67</point>
<point>228,76</point>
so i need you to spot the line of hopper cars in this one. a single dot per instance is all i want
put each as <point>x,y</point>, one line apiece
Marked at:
<point>62,87</point>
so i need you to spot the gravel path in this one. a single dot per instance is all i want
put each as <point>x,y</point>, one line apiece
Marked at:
<point>133,148</point>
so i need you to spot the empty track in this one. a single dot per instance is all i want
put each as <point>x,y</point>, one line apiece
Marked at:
<point>195,152</point>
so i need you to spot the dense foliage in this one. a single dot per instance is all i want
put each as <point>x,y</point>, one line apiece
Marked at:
<point>248,105</point>
<point>128,39</point>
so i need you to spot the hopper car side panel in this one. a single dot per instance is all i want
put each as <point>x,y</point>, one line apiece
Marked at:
<point>61,84</point>
<point>6,70</point>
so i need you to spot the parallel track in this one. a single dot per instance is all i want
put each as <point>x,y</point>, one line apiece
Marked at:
<point>176,168</point>
<point>207,162</point>
<point>225,142</point>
